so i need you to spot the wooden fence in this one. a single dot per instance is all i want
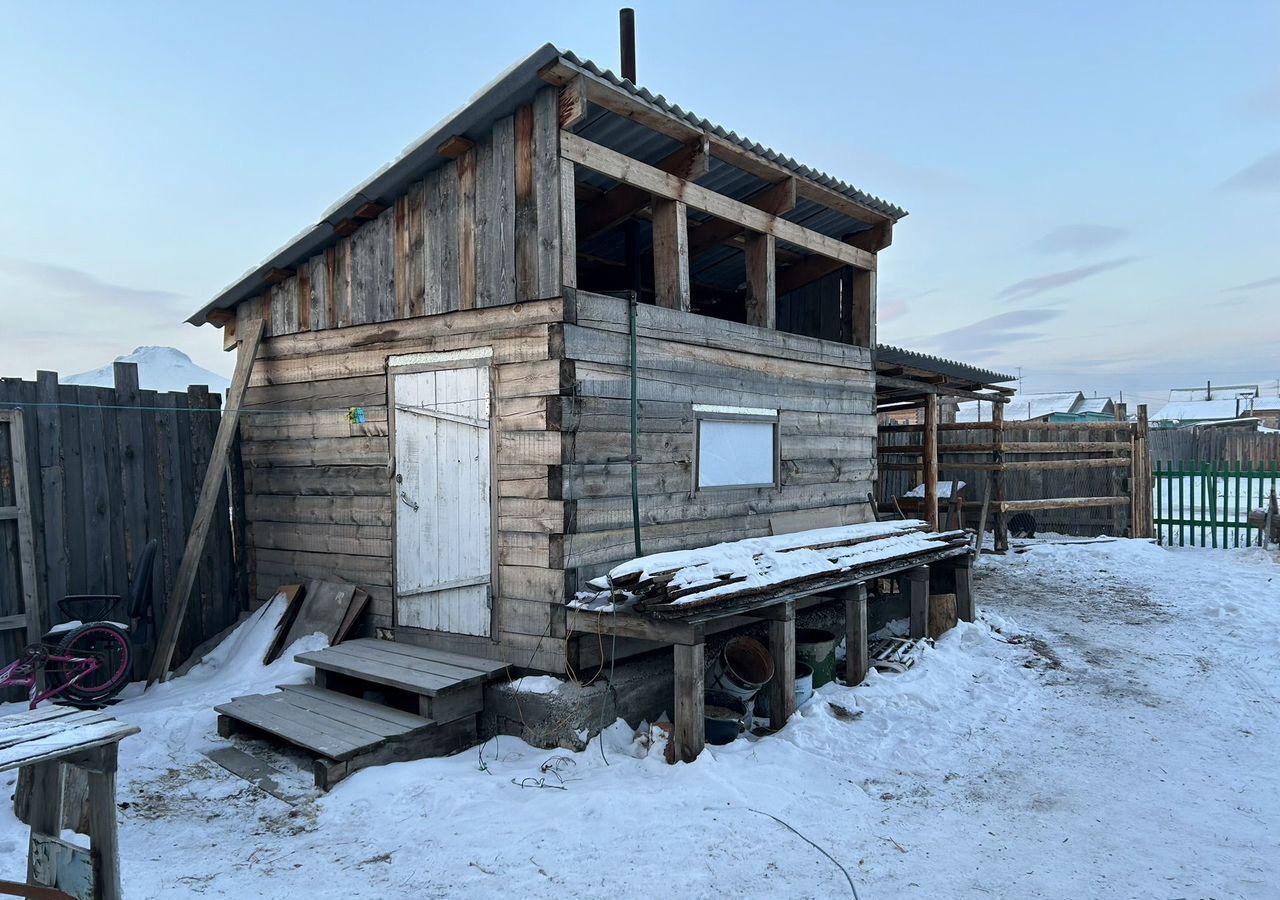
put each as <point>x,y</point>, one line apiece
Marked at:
<point>1074,478</point>
<point>106,470</point>
<point>1213,445</point>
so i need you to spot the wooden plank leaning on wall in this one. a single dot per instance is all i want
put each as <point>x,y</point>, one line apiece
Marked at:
<point>206,506</point>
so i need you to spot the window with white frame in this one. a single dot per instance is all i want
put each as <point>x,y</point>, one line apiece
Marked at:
<point>735,447</point>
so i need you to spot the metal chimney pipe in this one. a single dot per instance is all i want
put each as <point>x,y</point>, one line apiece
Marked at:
<point>627,41</point>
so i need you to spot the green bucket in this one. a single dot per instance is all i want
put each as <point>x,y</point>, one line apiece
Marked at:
<point>816,647</point>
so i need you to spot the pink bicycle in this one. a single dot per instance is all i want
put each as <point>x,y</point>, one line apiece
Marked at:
<point>88,664</point>
<point>86,661</point>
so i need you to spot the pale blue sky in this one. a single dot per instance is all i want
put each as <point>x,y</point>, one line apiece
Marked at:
<point>1094,188</point>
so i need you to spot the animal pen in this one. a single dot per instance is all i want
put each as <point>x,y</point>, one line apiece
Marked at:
<point>1083,478</point>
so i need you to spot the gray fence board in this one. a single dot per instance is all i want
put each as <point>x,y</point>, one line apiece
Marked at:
<point>108,470</point>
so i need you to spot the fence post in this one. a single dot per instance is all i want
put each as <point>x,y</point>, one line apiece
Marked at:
<point>1159,510</point>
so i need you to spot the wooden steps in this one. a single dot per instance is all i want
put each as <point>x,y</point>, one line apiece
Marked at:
<point>344,731</point>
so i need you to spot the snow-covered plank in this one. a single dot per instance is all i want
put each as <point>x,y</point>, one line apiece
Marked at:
<point>43,727</point>
<point>845,534</point>
<point>65,743</point>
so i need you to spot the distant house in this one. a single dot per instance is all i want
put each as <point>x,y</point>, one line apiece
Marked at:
<point>1216,404</point>
<point>1267,411</point>
<point>1059,406</point>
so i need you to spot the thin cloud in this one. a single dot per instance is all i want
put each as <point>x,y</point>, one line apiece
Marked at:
<point>994,332</point>
<point>1030,287</point>
<point>75,284</point>
<point>1083,237</point>
<point>1254,285</point>
<point>890,310</point>
<point>1263,175</point>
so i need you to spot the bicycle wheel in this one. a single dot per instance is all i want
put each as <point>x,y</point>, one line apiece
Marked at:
<point>103,641</point>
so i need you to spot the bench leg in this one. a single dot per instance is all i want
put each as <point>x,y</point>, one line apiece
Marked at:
<point>855,635</point>
<point>918,593</point>
<point>690,730</point>
<point>104,841</point>
<point>46,805</point>
<point>965,607</point>
<point>782,688</point>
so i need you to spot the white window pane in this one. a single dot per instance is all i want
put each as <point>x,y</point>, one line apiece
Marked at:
<point>735,453</point>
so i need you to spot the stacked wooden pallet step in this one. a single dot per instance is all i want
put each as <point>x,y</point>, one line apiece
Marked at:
<point>735,575</point>
<point>344,731</point>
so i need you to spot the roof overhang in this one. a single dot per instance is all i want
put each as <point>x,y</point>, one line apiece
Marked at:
<point>905,378</point>
<point>501,97</point>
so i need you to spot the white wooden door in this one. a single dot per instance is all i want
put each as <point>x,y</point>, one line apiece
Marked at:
<point>443,510</point>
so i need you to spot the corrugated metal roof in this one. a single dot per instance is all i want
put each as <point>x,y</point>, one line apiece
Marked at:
<point>1201,410</point>
<point>803,171</point>
<point>896,356</point>
<point>513,88</point>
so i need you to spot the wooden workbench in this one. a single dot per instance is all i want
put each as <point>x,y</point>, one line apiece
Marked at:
<point>47,739</point>
<point>687,634</point>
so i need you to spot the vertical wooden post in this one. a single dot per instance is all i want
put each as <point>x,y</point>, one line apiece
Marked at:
<point>855,635</point>
<point>1141,477</point>
<point>671,254</point>
<point>26,535</point>
<point>918,595</point>
<point>965,608</point>
<point>761,280</point>
<point>930,460</point>
<point>466,166</point>
<point>690,730</point>
<point>104,842</point>
<point>997,478</point>
<point>46,804</point>
<point>864,308</point>
<point>782,645</point>
<point>568,226</point>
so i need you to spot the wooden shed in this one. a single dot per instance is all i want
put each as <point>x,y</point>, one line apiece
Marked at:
<point>572,324</point>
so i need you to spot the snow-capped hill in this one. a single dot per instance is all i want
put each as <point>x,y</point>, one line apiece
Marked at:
<point>159,369</point>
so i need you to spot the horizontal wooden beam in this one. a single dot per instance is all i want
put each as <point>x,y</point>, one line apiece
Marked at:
<point>663,184</point>
<point>1062,503</point>
<point>1017,447</point>
<point>1019,426</point>
<point>8,512</point>
<point>13,623</point>
<point>777,199</point>
<point>277,275</point>
<point>689,162</point>
<point>911,386</point>
<point>623,103</point>
<point>629,625</point>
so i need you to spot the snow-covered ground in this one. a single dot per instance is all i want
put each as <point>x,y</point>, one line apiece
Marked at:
<point>1111,728</point>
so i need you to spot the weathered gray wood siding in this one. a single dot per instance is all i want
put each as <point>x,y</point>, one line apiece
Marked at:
<point>480,230</point>
<point>823,390</point>
<point>319,490</point>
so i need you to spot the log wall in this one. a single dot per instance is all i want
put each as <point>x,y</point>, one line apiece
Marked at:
<point>823,390</point>
<point>319,492</point>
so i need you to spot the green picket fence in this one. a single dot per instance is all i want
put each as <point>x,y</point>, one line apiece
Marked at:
<point>1206,504</point>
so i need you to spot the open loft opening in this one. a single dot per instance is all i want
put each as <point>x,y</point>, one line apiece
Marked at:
<point>693,218</point>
